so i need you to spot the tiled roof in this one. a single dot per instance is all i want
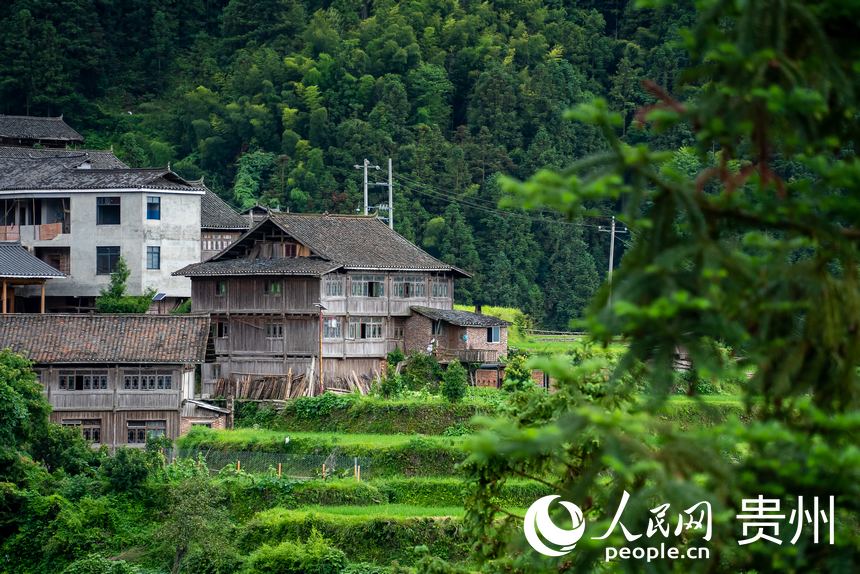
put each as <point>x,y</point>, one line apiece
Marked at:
<point>216,214</point>
<point>17,262</point>
<point>348,241</point>
<point>358,242</point>
<point>111,339</point>
<point>65,172</point>
<point>99,159</point>
<point>460,318</point>
<point>281,266</point>
<point>38,128</point>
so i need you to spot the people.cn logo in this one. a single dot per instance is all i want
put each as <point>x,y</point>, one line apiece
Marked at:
<point>538,521</point>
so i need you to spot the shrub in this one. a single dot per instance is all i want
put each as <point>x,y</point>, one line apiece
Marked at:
<point>422,371</point>
<point>395,357</point>
<point>113,298</point>
<point>127,470</point>
<point>364,539</point>
<point>392,384</point>
<point>315,556</point>
<point>455,381</point>
<point>182,308</point>
<point>518,375</point>
<point>95,564</point>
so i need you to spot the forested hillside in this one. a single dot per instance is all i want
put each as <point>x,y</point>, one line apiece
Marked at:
<point>274,101</point>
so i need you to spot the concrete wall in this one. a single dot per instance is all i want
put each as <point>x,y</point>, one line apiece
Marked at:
<point>177,233</point>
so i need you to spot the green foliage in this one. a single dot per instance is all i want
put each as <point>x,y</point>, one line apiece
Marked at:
<point>455,381</point>
<point>754,250</point>
<point>315,556</point>
<point>23,412</point>
<point>422,371</point>
<point>518,375</point>
<point>395,357</point>
<point>182,308</point>
<point>407,414</point>
<point>95,564</point>
<point>113,298</point>
<point>378,540</point>
<point>391,385</point>
<point>127,470</point>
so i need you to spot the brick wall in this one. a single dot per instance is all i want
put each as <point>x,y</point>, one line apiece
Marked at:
<point>478,340</point>
<point>185,423</point>
<point>417,333</point>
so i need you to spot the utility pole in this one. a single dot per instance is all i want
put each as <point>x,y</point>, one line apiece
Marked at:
<point>365,167</point>
<point>612,231</point>
<point>390,195</point>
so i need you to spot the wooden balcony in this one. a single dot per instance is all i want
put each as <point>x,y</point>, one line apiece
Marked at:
<point>467,355</point>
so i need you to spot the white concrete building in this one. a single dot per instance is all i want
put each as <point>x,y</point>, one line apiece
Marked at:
<point>80,210</point>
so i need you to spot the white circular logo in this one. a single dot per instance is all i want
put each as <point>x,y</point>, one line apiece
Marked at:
<point>538,521</point>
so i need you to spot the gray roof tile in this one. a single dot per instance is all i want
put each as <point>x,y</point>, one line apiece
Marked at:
<point>17,262</point>
<point>118,339</point>
<point>38,128</point>
<point>460,318</point>
<point>311,266</point>
<point>215,213</point>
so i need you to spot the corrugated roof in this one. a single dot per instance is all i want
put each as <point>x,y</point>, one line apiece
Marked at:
<point>116,339</point>
<point>460,318</point>
<point>17,262</point>
<point>310,266</point>
<point>215,213</point>
<point>38,128</point>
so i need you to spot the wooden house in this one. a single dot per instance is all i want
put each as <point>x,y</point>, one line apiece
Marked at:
<point>120,378</point>
<point>295,283</point>
<point>20,269</point>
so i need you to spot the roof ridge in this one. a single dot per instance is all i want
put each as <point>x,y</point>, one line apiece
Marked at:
<point>60,117</point>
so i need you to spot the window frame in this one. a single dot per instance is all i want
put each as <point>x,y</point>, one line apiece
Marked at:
<point>221,288</point>
<point>111,267</point>
<point>273,287</point>
<point>332,328</point>
<point>147,380</point>
<point>87,380</point>
<point>439,288</point>
<point>368,285</point>
<point>363,329</point>
<point>274,330</point>
<point>333,287</point>
<point>494,334</point>
<point>409,287</point>
<point>153,215</point>
<point>105,202</point>
<point>91,429</point>
<point>150,250</point>
<point>144,430</point>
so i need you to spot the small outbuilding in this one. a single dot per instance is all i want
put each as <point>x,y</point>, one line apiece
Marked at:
<point>19,269</point>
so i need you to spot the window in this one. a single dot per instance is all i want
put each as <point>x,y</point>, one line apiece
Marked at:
<point>147,381</point>
<point>222,329</point>
<point>140,431</point>
<point>398,332</point>
<point>368,286</point>
<point>153,207</point>
<point>439,287</point>
<point>83,380</point>
<point>272,287</point>
<point>207,425</point>
<point>409,287</point>
<point>332,328</point>
<point>107,259</point>
<point>107,211</point>
<point>220,288</point>
<point>275,330</point>
<point>333,286</point>
<point>365,328</point>
<point>153,257</point>
<point>437,327</point>
<point>90,428</point>
<point>494,334</point>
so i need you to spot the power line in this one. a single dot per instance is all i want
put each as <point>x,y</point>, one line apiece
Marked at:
<point>436,194</point>
<point>466,202</point>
